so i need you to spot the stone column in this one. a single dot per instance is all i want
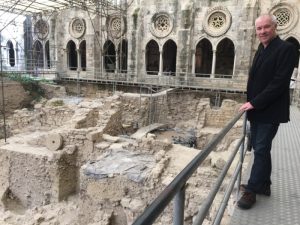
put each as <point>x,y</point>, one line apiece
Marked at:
<point>44,56</point>
<point>234,63</point>
<point>298,66</point>
<point>193,62</point>
<point>160,63</point>
<point>213,67</point>
<point>117,62</point>
<point>65,64</point>
<point>78,60</point>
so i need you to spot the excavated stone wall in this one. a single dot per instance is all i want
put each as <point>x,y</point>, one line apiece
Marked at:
<point>80,150</point>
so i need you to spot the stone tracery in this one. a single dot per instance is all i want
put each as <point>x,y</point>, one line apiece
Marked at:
<point>116,26</point>
<point>217,21</point>
<point>77,27</point>
<point>41,29</point>
<point>283,17</point>
<point>286,15</point>
<point>162,25</point>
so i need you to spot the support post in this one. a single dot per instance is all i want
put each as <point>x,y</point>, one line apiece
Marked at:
<point>178,212</point>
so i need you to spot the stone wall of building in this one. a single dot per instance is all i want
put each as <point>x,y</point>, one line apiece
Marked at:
<point>186,23</point>
<point>15,96</point>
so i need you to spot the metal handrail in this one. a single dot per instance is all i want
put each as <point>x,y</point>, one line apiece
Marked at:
<point>177,186</point>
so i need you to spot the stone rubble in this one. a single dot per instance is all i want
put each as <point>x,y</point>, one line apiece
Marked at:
<point>74,162</point>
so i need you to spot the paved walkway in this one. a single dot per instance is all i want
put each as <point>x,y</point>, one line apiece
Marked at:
<point>283,207</point>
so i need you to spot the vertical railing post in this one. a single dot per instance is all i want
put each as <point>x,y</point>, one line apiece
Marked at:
<point>242,150</point>
<point>178,211</point>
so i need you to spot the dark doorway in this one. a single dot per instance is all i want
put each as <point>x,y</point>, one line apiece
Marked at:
<point>152,58</point>
<point>47,50</point>
<point>169,58</point>
<point>11,54</point>
<point>38,55</point>
<point>123,54</point>
<point>295,42</point>
<point>109,56</point>
<point>72,55</point>
<point>225,59</point>
<point>82,49</point>
<point>203,58</point>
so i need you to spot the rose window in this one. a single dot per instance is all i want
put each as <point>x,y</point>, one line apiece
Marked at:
<point>77,27</point>
<point>116,24</point>
<point>217,20</point>
<point>41,29</point>
<point>286,15</point>
<point>161,25</point>
<point>283,17</point>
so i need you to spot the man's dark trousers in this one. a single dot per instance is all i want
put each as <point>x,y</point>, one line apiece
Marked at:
<point>262,135</point>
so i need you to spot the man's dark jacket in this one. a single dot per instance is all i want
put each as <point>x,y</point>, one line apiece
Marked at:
<point>269,80</point>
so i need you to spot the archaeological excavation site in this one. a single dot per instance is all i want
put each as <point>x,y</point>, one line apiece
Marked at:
<point>125,112</point>
<point>102,156</point>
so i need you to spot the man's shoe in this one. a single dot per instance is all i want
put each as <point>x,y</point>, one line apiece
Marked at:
<point>265,191</point>
<point>247,200</point>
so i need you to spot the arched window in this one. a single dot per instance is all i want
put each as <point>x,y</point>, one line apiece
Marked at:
<point>169,57</point>
<point>203,58</point>
<point>224,58</point>
<point>123,55</point>
<point>152,58</point>
<point>82,48</point>
<point>38,55</point>
<point>109,56</point>
<point>11,54</point>
<point>295,42</point>
<point>72,55</point>
<point>47,50</point>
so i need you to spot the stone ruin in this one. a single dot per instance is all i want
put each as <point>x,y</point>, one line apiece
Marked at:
<point>75,160</point>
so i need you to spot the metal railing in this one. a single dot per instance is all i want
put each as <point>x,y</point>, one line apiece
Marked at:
<point>176,189</point>
<point>181,80</point>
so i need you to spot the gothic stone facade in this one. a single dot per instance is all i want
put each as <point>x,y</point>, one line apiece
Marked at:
<point>157,41</point>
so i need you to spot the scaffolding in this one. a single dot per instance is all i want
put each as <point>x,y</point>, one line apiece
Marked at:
<point>39,58</point>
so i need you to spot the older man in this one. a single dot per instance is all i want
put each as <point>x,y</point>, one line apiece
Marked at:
<point>267,103</point>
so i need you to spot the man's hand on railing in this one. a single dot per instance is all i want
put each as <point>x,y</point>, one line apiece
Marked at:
<point>245,107</point>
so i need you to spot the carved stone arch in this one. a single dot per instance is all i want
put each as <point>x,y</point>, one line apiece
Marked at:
<point>291,35</point>
<point>219,39</point>
<point>201,38</point>
<point>217,21</point>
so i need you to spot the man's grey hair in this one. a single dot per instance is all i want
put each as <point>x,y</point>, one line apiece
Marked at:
<point>273,18</point>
